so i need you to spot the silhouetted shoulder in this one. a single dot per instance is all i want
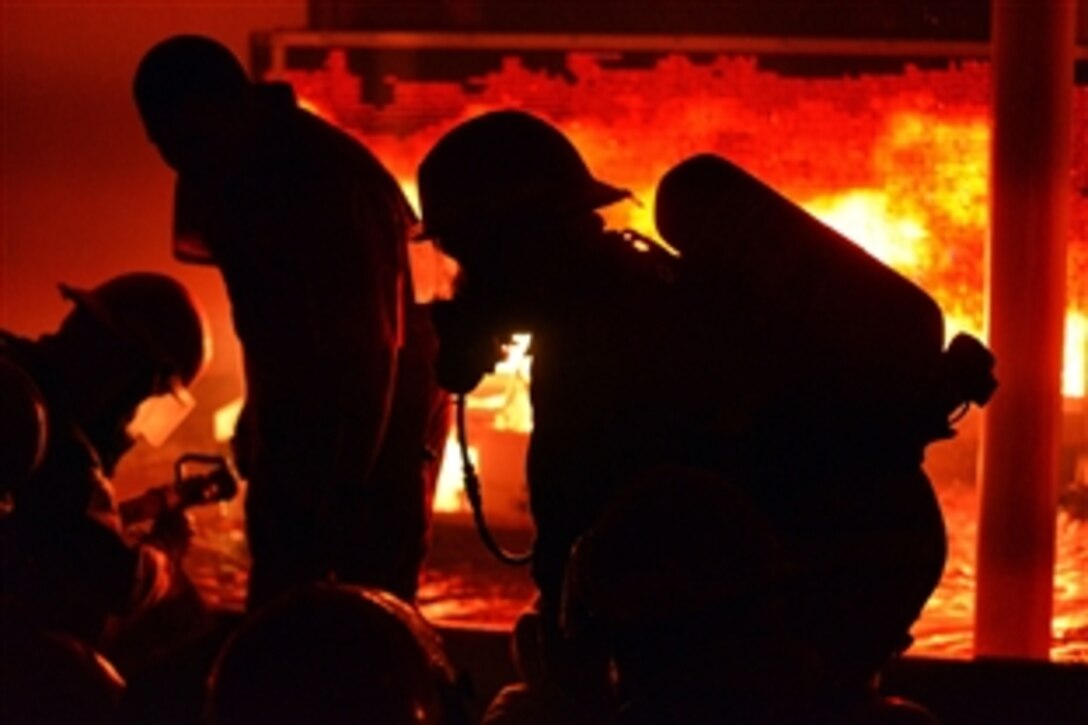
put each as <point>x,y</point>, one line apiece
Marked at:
<point>313,145</point>
<point>22,418</point>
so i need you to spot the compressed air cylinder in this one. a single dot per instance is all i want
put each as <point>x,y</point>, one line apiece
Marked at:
<point>863,342</point>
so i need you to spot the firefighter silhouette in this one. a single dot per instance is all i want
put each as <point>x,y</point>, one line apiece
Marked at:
<point>310,233</point>
<point>772,353</point>
<point>72,403</point>
<point>696,621</point>
<point>862,383</point>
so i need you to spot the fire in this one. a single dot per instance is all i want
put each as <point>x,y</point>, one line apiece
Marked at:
<point>865,216</point>
<point>924,228</point>
<point>1074,374</point>
<point>502,404</point>
<point>449,494</point>
<point>898,163</point>
<point>225,419</point>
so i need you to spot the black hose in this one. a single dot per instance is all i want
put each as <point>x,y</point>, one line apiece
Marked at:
<point>472,490</point>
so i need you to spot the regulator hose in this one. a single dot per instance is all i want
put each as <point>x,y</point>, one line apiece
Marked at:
<point>472,491</point>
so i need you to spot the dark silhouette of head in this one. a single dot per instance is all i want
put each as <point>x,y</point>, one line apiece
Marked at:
<point>680,577</point>
<point>153,314</point>
<point>676,543</point>
<point>132,338</point>
<point>193,97</point>
<point>511,199</point>
<point>49,677</point>
<point>333,654</point>
<point>505,169</point>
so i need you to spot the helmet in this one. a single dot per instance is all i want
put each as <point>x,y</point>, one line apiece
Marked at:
<point>333,653</point>
<point>156,313</point>
<point>505,166</point>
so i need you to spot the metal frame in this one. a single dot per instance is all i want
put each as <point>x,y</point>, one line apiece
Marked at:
<point>278,41</point>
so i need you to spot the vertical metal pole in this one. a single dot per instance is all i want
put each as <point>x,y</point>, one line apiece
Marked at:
<point>1032,56</point>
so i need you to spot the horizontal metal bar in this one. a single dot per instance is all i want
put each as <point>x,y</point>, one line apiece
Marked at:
<point>683,43</point>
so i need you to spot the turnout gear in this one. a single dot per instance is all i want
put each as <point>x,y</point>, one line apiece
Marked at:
<point>831,413</point>
<point>505,167</point>
<point>774,354</point>
<point>693,616</point>
<point>309,232</point>
<point>65,560</point>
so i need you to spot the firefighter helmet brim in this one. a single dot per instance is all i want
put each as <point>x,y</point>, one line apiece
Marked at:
<point>154,312</point>
<point>505,167</point>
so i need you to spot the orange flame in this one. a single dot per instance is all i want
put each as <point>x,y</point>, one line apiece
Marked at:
<point>897,163</point>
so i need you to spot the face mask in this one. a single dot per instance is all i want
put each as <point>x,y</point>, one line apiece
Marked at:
<point>160,415</point>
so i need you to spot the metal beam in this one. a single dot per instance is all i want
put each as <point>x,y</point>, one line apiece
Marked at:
<point>723,44</point>
<point>1029,222</point>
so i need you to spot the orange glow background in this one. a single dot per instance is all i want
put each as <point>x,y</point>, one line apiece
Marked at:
<point>84,196</point>
<point>898,163</point>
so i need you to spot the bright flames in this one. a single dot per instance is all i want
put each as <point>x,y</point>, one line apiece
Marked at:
<point>897,163</point>
<point>904,173</point>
